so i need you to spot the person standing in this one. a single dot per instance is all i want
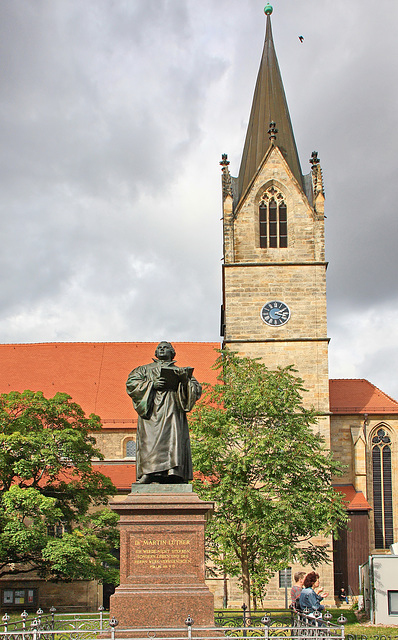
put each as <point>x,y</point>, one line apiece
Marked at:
<point>311,595</point>
<point>297,587</point>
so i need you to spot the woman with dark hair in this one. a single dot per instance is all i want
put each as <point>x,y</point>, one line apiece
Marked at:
<point>310,598</point>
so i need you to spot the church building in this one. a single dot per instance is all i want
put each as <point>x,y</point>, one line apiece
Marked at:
<point>273,308</point>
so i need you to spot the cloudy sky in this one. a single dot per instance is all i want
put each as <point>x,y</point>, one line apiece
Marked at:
<point>113,118</point>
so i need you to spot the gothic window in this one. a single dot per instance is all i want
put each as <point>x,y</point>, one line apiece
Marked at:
<point>58,530</point>
<point>382,489</point>
<point>130,449</point>
<point>272,219</point>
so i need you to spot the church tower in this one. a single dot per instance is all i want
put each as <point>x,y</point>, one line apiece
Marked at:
<point>274,271</point>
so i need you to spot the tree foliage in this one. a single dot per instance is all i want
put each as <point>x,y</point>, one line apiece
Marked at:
<point>262,461</point>
<point>48,488</point>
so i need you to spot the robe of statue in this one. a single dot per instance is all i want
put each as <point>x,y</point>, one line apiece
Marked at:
<point>162,431</point>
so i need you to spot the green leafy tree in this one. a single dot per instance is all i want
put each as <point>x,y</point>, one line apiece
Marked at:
<point>263,463</point>
<point>51,520</point>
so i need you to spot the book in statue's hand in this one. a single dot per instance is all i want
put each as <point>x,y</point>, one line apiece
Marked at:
<point>172,375</point>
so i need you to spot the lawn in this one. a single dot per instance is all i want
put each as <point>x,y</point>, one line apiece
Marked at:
<point>354,630</point>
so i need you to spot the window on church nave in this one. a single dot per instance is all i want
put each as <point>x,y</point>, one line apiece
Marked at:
<point>272,220</point>
<point>382,489</point>
<point>130,449</point>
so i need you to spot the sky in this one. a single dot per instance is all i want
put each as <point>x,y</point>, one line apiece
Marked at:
<point>113,118</point>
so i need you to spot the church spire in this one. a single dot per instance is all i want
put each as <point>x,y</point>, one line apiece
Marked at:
<point>269,108</point>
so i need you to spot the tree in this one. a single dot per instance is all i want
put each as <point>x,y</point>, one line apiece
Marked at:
<point>268,471</point>
<point>48,488</point>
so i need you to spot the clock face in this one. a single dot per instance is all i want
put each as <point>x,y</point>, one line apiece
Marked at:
<point>275,313</point>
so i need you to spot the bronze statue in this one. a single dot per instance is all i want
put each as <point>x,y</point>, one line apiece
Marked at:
<point>162,394</point>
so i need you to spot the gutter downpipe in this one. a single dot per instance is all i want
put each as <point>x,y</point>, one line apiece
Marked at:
<point>371,590</point>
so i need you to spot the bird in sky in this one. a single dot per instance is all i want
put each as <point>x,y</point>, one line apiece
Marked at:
<point>301,38</point>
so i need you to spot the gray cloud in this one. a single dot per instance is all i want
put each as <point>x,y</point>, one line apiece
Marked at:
<point>113,117</point>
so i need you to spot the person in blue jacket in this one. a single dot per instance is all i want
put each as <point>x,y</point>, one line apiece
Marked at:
<point>311,595</point>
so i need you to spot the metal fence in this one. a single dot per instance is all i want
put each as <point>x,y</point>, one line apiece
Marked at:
<point>91,626</point>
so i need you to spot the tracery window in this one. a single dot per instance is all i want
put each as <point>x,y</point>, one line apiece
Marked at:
<point>272,219</point>
<point>130,449</point>
<point>382,489</point>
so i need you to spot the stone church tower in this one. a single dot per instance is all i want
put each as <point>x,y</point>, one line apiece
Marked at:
<point>274,271</point>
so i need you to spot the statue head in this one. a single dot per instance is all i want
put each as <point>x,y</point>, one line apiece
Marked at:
<point>165,351</point>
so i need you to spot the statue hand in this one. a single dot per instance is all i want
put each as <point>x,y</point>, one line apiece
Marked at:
<point>159,383</point>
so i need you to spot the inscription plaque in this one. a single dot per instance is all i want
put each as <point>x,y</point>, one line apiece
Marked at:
<point>160,555</point>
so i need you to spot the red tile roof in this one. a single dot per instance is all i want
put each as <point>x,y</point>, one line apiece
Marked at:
<point>122,475</point>
<point>355,500</point>
<point>359,396</point>
<point>93,373</point>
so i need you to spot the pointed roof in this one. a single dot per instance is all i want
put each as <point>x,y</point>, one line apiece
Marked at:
<point>269,105</point>
<point>348,396</point>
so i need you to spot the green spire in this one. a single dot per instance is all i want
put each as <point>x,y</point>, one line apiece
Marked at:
<point>269,105</point>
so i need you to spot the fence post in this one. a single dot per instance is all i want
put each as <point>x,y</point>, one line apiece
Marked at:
<point>189,623</point>
<point>342,620</point>
<point>244,607</point>
<point>24,615</point>
<point>327,616</point>
<point>34,626</point>
<point>101,610</point>
<point>39,614</point>
<point>52,611</point>
<point>5,620</point>
<point>266,620</point>
<point>113,624</point>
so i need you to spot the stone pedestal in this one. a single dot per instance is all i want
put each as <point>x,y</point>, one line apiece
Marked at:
<point>162,568</point>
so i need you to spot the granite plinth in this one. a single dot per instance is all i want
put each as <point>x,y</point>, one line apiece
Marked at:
<point>162,565</point>
<point>158,488</point>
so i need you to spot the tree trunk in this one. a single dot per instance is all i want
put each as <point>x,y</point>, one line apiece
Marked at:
<point>254,597</point>
<point>245,573</point>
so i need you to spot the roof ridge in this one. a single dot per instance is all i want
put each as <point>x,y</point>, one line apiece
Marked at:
<point>358,379</point>
<point>52,342</point>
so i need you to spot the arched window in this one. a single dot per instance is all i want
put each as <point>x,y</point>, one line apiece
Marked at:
<point>272,219</point>
<point>382,489</point>
<point>130,449</point>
